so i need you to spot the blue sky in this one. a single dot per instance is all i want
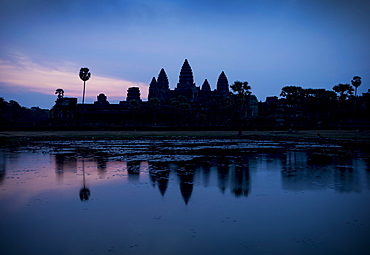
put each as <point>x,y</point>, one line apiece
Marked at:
<point>269,43</point>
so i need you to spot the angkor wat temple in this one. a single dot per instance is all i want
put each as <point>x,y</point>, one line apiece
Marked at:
<point>186,105</point>
<point>186,87</point>
<point>191,106</point>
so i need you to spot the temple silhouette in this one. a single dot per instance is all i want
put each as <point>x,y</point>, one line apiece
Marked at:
<point>187,104</point>
<point>190,107</point>
<point>186,87</point>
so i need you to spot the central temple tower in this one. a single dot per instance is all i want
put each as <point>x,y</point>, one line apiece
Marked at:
<point>186,84</point>
<point>186,79</point>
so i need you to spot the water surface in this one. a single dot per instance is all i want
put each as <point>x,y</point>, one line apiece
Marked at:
<point>181,196</point>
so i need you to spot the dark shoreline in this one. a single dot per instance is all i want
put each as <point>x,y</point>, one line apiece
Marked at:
<point>346,138</point>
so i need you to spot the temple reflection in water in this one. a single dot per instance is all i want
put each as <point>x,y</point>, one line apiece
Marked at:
<point>234,174</point>
<point>183,198</point>
<point>230,173</point>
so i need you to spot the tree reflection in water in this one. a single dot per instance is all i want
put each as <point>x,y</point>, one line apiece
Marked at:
<point>84,192</point>
<point>317,171</point>
<point>237,201</point>
<point>300,170</point>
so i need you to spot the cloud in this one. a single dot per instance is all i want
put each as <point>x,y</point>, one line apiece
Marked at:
<point>21,72</point>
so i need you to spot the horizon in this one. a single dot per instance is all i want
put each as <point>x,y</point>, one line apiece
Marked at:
<point>92,99</point>
<point>311,44</point>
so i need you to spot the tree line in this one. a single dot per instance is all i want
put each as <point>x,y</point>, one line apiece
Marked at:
<point>14,115</point>
<point>337,107</point>
<point>297,107</point>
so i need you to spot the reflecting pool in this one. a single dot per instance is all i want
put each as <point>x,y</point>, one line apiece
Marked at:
<point>183,196</point>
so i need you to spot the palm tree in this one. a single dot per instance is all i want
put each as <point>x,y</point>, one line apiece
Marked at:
<point>356,82</point>
<point>84,75</point>
<point>84,192</point>
<point>242,90</point>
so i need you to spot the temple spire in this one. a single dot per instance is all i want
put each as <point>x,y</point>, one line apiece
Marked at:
<point>162,81</point>
<point>162,85</point>
<point>152,89</point>
<point>186,79</point>
<point>206,86</point>
<point>159,88</point>
<point>222,84</point>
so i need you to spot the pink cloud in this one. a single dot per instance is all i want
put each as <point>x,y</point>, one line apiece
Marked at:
<point>22,72</point>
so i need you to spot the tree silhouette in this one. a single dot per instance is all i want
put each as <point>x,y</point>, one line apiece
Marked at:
<point>60,93</point>
<point>344,91</point>
<point>13,114</point>
<point>242,96</point>
<point>84,191</point>
<point>296,99</point>
<point>3,104</point>
<point>242,89</point>
<point>293,94</point>
<point>356,82</point>
<point>318,104</point>
<point>84,75</point>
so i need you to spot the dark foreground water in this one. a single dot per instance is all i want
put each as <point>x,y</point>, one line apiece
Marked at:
<point>183,197</point>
